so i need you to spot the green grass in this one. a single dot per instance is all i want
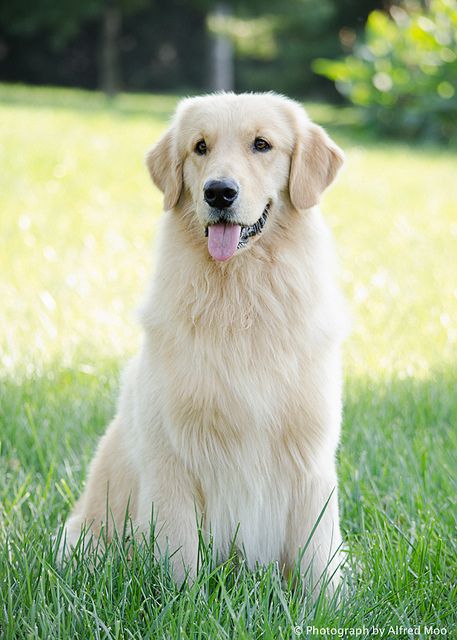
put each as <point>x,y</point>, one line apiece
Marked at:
<point>77,222</point>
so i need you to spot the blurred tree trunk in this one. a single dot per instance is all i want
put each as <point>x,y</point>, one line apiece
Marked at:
<point>222,73</point>
<point>110,68</point>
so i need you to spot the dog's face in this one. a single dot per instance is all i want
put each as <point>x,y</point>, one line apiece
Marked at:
<point>234,160</point>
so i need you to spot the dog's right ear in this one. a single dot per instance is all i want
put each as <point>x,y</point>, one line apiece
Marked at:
<point>165,168</point>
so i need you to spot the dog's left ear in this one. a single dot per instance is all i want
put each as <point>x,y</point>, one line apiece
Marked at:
<point>315,163</point>
<point>165,168</point>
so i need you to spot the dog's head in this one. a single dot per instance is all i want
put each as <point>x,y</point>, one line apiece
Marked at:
<point>235,159</point>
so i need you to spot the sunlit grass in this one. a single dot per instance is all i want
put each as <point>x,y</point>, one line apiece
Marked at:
<point>77,227</point>
<point>77,218</point>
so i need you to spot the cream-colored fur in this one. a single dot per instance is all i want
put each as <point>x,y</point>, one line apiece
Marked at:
<point>230,414</point>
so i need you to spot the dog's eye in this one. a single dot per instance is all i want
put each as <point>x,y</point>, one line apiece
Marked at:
<point>260,144</point>
<point>201,148</point>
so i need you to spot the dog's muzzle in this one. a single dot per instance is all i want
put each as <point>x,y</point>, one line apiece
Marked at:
<point>225,237</point>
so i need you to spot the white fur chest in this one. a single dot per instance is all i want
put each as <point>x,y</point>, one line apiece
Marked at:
<point>240,356</point>
<point>220,394</point>
<point>237,352</point>
<point>223,408</point>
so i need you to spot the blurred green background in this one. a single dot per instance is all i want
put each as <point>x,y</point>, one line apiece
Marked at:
<point>139,45</point>
<point>395,59</point>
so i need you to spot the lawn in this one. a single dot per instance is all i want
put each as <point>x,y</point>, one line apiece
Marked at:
<point>77,228</point>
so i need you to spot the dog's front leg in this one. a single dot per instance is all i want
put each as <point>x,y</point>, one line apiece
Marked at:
<point>314,532</point>
<point>168,502</point>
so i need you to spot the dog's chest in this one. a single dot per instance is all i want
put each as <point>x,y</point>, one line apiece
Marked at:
<point>223,386</point>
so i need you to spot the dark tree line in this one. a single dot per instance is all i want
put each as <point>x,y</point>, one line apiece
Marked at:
<point>141,45</point>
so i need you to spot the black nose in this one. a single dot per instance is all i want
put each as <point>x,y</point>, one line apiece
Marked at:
<point>221,193</point>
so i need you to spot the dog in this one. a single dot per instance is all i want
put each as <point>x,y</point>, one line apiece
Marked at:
<point>230,413</point>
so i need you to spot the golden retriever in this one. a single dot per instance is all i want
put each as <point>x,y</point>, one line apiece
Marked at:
<point>230,414</point>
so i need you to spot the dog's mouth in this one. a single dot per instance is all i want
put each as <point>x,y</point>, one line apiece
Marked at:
<point>225,238</point>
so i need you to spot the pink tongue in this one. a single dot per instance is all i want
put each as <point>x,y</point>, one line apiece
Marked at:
<point>223,240</point>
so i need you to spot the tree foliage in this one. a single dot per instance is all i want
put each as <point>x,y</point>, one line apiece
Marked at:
<point>404,72</point>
